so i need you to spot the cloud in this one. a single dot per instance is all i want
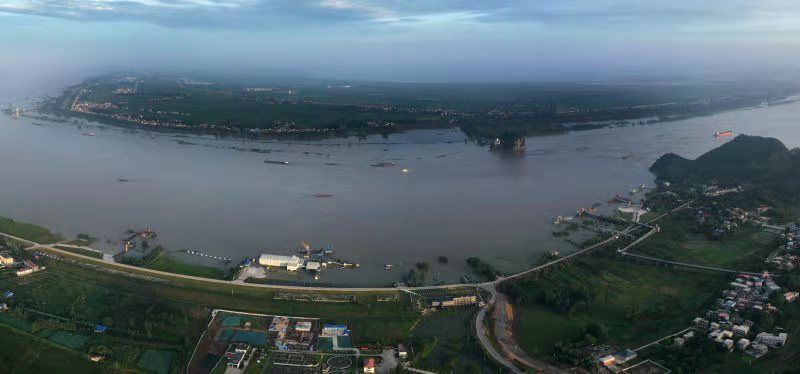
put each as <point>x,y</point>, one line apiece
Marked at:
<point>656,15</point>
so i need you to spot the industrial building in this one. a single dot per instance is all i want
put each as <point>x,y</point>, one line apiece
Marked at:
<point>6,260</point>
<point>291,263</point>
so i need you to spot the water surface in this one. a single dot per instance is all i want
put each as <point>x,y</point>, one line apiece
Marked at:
<point>457,199</point>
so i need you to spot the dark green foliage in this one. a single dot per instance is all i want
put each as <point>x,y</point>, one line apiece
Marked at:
<point>764,164</point>
<point>483,269</point>
<point>563,298</point>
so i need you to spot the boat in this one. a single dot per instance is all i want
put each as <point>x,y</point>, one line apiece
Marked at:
<point>322,195</point>
<point>87,134</point>
<point>723,134</point>
<point>629,155</point>
<point>123,180</point>
<point>562,219</point>
<point>406,170</point>
<point>384,164</point>
<point>388,266</point>
<point>276,162</point>
<point>637,189</point>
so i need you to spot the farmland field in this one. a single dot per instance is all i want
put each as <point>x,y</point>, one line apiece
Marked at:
<point>157,361</point>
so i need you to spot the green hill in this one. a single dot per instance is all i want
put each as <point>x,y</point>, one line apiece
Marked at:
<point>750,161</point>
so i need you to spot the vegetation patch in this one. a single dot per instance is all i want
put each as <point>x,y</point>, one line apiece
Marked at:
<point>632,304</point>
<point>157,361</point>
<point>25,353</point>
<point>69,340</point>
<point>28,231</point>
<point>81,251</point>
<point>171,265</point>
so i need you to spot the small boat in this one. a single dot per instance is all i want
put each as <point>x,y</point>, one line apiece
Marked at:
<point>322,195</point>
<point>88,134</point>
<point>405,171</point>
<point>384,164</point>
<point>562,219</point>
<point>629,155</point>
<point>276,162</point>
<point>388,266</point>
<point>123,180</point>
<point>723,134</point>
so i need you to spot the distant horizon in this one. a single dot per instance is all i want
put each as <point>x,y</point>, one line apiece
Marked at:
<point>408,41</point>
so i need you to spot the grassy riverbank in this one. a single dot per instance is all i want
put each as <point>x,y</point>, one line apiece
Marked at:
<point>28,231</point>
<point>166,263</point>
<point>81,251</point>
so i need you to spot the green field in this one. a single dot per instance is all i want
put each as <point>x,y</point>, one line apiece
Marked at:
<point>168,264</point>
<point>157,361</point>
<point>635,303</point>
<point>25,353</point>
<point>744,249</point>
<point>451,344</point>
<point>81,251</point>
<point>64,307</point>
<point>28,231</point>
<point>69,340</point>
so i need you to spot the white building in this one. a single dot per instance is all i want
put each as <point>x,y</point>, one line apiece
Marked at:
<point>742,344</point>
<point>303,326</point>
<point>291,263</point>
<point>741,330</point>
<point>6,260</point>
<point>771,340</point>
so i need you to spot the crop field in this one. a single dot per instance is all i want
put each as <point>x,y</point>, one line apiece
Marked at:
<point>636,303</point>
<point>744,249</point>
<point>157,361</point>
<point>69,340</point>
<point>64,307</point>
<point>450,344</point>
<point>25,353</point>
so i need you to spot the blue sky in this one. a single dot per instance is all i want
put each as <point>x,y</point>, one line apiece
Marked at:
<point>411,40</point>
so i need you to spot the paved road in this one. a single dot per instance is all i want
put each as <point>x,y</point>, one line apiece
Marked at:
<point>483,337</point>
<point>654,342</point>
<point>676,263</point>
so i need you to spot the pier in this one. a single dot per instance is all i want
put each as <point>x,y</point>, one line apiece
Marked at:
<point>206,255</point>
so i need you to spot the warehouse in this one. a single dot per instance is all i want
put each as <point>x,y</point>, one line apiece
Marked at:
<point>291,263</point>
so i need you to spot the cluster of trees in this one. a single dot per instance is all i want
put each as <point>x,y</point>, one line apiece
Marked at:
<point>483,269</point>
<point>567,298</point>
<point>146,259</point>
<point>416,277</point>
<point>572,352</point>
<point>695,356</point>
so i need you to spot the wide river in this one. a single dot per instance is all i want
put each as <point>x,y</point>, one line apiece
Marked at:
<point>457,199</point>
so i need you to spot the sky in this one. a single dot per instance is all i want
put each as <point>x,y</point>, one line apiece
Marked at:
<point>404,40</point>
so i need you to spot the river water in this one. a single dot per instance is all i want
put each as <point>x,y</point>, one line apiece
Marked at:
<point>457,199</point>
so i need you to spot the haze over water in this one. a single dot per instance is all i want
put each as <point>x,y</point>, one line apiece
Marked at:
<point>458,199</point>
